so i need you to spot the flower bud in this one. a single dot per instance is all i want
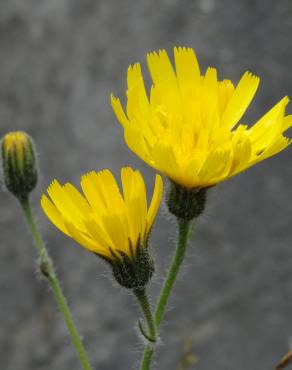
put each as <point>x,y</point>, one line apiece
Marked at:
<point>185,203</point>
<point>19,164</point>
<point>133,272</point>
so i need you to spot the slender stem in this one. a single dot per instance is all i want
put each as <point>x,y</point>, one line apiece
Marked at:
<point>146,309</point>
<point>185,229</point>
<point>47,269</point>
<point>63,306</point>
<point>147,357</point>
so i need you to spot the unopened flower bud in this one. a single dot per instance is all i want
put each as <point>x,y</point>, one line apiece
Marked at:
<point>185,203</point>
<point>19,164</point>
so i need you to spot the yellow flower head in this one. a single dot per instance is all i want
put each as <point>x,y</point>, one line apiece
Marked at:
<point>189,125</point>
<point>103,220</point>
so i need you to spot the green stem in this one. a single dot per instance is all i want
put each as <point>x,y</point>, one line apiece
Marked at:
<point>146,309</point>
<point>184,228</point>
<point>47,269</point>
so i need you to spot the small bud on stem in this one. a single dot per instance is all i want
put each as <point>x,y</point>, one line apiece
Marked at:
<point>19,164</point>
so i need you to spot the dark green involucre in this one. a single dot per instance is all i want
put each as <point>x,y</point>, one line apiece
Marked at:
<point>186,204</point>
<point>135,271</point>
<point>19,164</point>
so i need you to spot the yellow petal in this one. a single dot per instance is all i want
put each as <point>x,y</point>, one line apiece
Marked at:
<point>138,103</point>
<point>277,146</point>
<point>98,233</point>
<point>53,214</point>
<point>187,68</point>
<point>240,156</point>
<point>269,126</point>
<point>134,220</point>
<point>114,229</point>
<point>240,100</point>
<point>80,237</point>
<point>119,112</point>
<point>91,189</point>
<point>161,69</point>
<point>109,190</point>
<point>213,166</point>
<point>287,122</point>
<point>130,196</point>
<point>62,201</point>
<point>225,91</point>
<point>136,142</point>
<point>77,199</point>
<point>164,155</point>
<point>127,175</point>
<point>209,100</point>
<point>155,202</point>
<point>141,200</point>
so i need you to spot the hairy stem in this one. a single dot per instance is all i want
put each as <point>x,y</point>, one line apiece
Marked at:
<point>47,269</point>
<point>184,228</point>
<point>146,309</point>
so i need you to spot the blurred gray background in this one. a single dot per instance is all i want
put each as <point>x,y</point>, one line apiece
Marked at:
<point>59,61</point>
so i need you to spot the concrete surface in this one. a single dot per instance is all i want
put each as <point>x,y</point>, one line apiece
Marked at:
<point>59,61</point>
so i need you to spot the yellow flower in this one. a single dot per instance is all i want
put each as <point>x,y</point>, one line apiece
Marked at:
<point>103,220</point>
<point>190,128</point>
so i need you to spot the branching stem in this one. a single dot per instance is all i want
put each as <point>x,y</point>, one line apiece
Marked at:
<point>184,231</point>
<point>146,309</point>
